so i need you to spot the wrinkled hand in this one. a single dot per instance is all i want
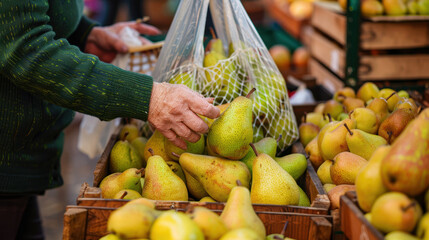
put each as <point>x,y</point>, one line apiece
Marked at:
<point>105,42</point>
<point>173,111</point>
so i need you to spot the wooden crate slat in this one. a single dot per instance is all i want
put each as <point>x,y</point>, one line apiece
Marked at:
<point>329,53</point>
<point>320,228</point>
<point>326,18</point>
<point>325,78</point>
<point>75,224</point>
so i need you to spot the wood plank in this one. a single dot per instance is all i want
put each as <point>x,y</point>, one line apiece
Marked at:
<point>329,21</point>
<point>320,228</point>
<point>323,77</point>
<point>328,53</point>
<point>75,224</point>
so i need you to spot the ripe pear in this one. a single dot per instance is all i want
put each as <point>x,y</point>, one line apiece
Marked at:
<point>239,213</point>
<point>177,169</point>
<point>423,226</point>
<point>406,166</point>
<point>312,150</point>
<point>390,96</point>
<point>124,156</point>
<point>328,186</point>
<point>217,175</point>
<point>173,151</point>
<point>243,234</point>
<point>231,133</point>
<point>258,134</point>
<point>371,8</point>
<point>351,104</point>
<point>342,116</point>
<point>394,124</point>
<point>266,145</point>
<point>210,121</point>
<point>295,164</point>
<point>394,211</point>
<point>285,125</point>
<point>407,103</point>
<point>336,192</point>
<point>304,201</point>
<point>319,108</point>
<point>362,143</point>
<point>368,91</point>
<point>324,172</point>
<point>403,94</point>
<point>194,187</point>
<point>127,194</point>
<point>142,201</point>
<point>307,131</point>
<point>115,182</point>
<point>207,199</point>
<point>161,183</point>
<point>216,45</point>
<point>317,118</point>
<point>175,225</point>
<point>400,235</point>
<point>395,7</point>
<point>131,221</point>
<point>366,120</point>
<point>110,236</point>
<point>333,107</point>
<point>369,185</point>
<point>344,93</point>
<point>345,168</point>
<point>129,132</point>
<point>156,143</point>
<point>380,108</point>
<point>209,222</point>
<point>139,144</point>
<point>334,139</point>
<point>185,78</point>
<point>271,184</point>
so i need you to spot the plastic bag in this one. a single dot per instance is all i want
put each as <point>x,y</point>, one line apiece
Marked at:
<point>248,65</point>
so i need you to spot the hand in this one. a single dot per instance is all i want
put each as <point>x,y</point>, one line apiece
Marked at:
<point>105,43</point>
<point>173,111</point>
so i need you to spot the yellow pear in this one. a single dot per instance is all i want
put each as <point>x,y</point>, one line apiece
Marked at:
<point>345,168</point>
<point>172,225</point>
<point>209,222</point>
<point>324,172</point>
<point>312,150</point>
<point>242,234</point>
<point>156,143</point>
<point>334,139</point>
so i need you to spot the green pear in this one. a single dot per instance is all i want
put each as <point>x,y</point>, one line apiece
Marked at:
<point>258,134</point>
<point>345,168</point>
<point>423,226</point>
<point>394,124</point>
<point>295,164</point>
<point>175,225</point>
<point>231,133</point>
<point>394,211</point>
<point>380,108</point>
<point>368,90</point>
<point>124,156</point>
<point>423,7</point>
<point>342,116</point>
<point>129,132</point>
<point>403,94</point>
<point>334,139</point>
<point>271,184</point>
<point>186,79</point>
<point>283,124</point>
<point>194,187</point>
<point>161,183</point>
<point>324,172</point>
<point>351,104</point>
<point>366,120</point>
<point>212,226</point>
<point>156,143</point>
<point>216,45</point>
<point>173,151</point>
<point>241,233</point>
<point>333,107</point>
<point>317,118</point>
<point>239,213</point>
<point>266,145</point>
<point>304,201</point>
<point>217,175</point>
<point>115,182</point>
<point>139,144</point>
<point>362,143</point>
<point>369,185</point>
<point>395,7</point>
<point>312,150</point>
<point>127,194</point>
<point>400,235</point>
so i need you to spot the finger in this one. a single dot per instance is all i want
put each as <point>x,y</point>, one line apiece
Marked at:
<point>146,29</point>
<point>202,107</point>
<point>145,41</point>
<point>172,137</point>
<point>210,100</point>
<point>195,123</point>
<point>117,44</point>
<point>183,131</point>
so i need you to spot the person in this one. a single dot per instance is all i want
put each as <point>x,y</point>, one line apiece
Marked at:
<point>49,69</point>
<point>111,7</point>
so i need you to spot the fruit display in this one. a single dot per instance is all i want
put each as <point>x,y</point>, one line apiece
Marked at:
<point>286,62</point>
<point>139,219</point>
<point>351,133</point>
<point>371,8</point>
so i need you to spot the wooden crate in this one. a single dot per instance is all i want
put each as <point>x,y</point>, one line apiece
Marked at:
<point>353,223</point>
<point>90,223</point>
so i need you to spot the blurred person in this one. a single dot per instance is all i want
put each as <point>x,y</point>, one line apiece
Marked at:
<point>111,8</point>
<point>53,63</point>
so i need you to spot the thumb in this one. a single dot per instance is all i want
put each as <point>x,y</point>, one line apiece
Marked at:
<point>117,43</point>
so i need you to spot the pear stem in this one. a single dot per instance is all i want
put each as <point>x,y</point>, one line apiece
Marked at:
<point>279,138</point>
<point>389,139</point>
<point>330,118</point>
<point>238,182</point>
<point>404,209</point>
<point>213,33</point>
<point>151,151</point>
<point>250,93</point>
<point>348,129</point>
<point>125,135</point>
<point>141,171</point>
<point>175,154</point>
<point>284,228</point>
<point>278,238</point>
<point>387,99</point>
<point>254,149</point>
<point>305,117</point>
<point>124,194</point>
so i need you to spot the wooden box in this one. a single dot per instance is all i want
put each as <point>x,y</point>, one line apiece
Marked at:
<point>393,49</point>
<point>353,223</point>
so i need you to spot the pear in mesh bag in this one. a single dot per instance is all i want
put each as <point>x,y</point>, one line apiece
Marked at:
<point>184,78</point>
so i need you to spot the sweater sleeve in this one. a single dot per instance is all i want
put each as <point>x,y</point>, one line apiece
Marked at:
<point>81,33</point>
<point>60,73</point>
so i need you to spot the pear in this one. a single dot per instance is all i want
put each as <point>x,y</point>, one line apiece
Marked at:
<point>217,175</point>
<point>194,187</point>
<point>317,118</point>
<point>142,201</point>
<point>406,166</point>
<point>304,201</point>
<point>362,143</point>
<point>124,156</point>
<point>345,168</point>
<point>335,194</point>
<point>394,211</point>
<point>209,222</point>
<point>177,169</point>
<point>307,131</point>
<point>324,172</point>
<point>175,225</point>
<point>282,124</point>
<point>369,185</point>
<point>197,148</point>
<point>207,199</point>
<point>243,234</point>
<point>394,124</point>
<point>295,164</point>
<point>127,194</point>
<point>271,184</point>
<point>344,93</point>
<point>368,217</point>
<point>266,145</point>
<point>210,121</point>
<point>319,107</point>
<point>400,235</point>
<point>161,183</point>
<point>366,120</point>
<point>258,134</point>
<point>328,186</point>
<point>423,7</point>
<point>395,7</point>
<point>342,116</point>
<point>423,226</point>
<point>231,133</point>
<point>216,45</point>
<point>185,78</point>
<point>156,143</point>
<point>407,103</point>
<point>129,132</point>
<point>239,213</point>
<point>390,96</point>
<point>334,139</point>
<point>312,150</point>
<point>333,107</point>
<point>110,237</point>
<point>139,144</point>
<point>380,108</point>
<point>131,221</point>
<point>368,90</point>
<point>115,182</point>
<point>403,94</point>
<point>371,8</point>
<point>351,104</point>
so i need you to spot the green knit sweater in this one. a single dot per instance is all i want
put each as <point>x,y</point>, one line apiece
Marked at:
<point>43,77</point>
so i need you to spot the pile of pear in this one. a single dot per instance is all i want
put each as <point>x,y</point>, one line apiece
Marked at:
<point>341,134</point>
<point>139,219</point>
<point>208,169</point>
<point>371,8</point>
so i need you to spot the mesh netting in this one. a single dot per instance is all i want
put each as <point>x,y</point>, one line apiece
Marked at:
<point>182,61</point>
